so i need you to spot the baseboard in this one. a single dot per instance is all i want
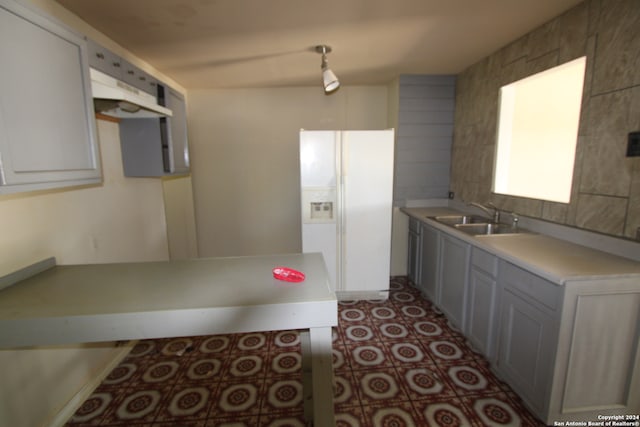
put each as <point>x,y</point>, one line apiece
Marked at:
<point>61,418</point>
<point>361,295</point>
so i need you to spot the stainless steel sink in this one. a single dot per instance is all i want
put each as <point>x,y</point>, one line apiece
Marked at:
<point>487,229</point>
<point>476,225</point>
<point>460,219</point>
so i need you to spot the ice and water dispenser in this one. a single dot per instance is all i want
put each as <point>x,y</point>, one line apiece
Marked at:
<point>318,205</point>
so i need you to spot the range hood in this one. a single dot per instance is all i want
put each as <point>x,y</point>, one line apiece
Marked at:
<point>116,98</point>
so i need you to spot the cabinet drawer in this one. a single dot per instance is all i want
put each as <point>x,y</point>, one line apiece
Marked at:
<point>484,261</point>
<point>531,285</point>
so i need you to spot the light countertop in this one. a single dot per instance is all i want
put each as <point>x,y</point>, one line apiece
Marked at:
<point>553,259</point>
<point>107,302</point>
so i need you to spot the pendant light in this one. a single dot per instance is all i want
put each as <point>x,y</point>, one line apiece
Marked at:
<point>330,82</point>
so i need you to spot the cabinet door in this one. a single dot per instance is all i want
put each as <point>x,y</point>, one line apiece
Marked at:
<point>527,343</point>
<point>429,256</point>
<point>143,147</point>
<point>179,146</point>
<point>482,312</point>
<point>47,123</point>
<point>454,264</point>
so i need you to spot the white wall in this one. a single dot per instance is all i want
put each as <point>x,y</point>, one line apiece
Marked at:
<point>245,170</point>
<point>121,220</point>
<point>181,226</point>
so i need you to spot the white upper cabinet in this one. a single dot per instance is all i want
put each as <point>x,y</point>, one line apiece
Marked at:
<point>47,123</point>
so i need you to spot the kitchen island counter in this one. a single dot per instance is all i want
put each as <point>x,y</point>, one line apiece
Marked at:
<point>207,296</point>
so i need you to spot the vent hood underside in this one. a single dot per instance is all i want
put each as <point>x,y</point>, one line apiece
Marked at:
<point>118,99</point>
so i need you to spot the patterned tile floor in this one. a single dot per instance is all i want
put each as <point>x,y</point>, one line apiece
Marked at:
<point>396,363</point>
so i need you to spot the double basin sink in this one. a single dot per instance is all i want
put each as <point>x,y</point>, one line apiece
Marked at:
<point>477,225</point>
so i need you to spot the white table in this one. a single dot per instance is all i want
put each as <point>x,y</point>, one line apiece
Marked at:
<point>109,302</point>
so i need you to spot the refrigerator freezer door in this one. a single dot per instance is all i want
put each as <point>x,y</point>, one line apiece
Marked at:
<point>367,194</point>
<point>318,181</point>
<point>318,158</point>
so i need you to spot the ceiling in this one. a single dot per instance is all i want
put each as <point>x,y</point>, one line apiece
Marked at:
<point>270,43</point>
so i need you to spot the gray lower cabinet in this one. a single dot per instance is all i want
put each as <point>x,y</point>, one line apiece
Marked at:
<point>528,334</point>
<point>429,260</point>
<point>453,271</point>
<point>47,122</point>
<point>482,303</point>
<point>597,367</point>
<point>571,351</point>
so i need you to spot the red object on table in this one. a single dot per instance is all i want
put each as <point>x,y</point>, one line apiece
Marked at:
<point>288,274</point>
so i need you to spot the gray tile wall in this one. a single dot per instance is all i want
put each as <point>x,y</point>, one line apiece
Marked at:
<point>424,136</point>
<point>606,184</point>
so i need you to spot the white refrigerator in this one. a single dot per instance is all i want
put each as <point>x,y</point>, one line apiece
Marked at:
<point>346,182</point>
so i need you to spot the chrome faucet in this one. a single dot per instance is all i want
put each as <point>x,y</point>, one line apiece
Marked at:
<point>514,221</point>
<point>488,210</point>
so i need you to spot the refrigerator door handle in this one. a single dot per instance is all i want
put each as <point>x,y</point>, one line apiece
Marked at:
<point>342,237</point>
